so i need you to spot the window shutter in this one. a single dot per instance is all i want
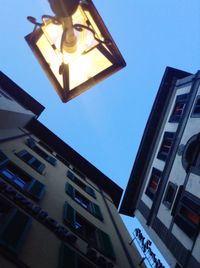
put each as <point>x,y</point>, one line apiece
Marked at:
<point>69,189</point>
<point>36,189</point>
<point>3,159</point>
<point>30,142</point>
<point>90,191</point>
<point>51,160</point>
<point>70,175</point>
<point>104,244</point>
<point>96,211</point>
<point>41,168</point>
<point>69,214</point>
<point>22,153</point>
<point>68,258</point>
<point>14,230</point>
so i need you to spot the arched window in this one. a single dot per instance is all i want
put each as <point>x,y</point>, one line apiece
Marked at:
<point>191,155</point>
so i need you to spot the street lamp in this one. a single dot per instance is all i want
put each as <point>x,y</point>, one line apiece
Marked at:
<point>74,47</point>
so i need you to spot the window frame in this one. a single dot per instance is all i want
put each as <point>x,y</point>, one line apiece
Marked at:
<point>174,188</point>
<point>31,184</point>
<point>31,161</point>
<point>180,100</point>
<point>89,190</point>
<point>196,106</point>
<point>68,257</point>
<point>92,208</point>
<point>155,173</point>
<point>168,136</point>
<point>69,218</point>
<point>30,142</point>
<point>188,203</point>
<point>13,218</point>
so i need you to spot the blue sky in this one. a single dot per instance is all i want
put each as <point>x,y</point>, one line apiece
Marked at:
<point>106,123</point>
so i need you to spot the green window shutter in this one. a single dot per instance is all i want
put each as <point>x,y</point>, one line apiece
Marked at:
<point>51,160</point>
<point>14,230</point>
<point>95,209</point>
<point>3,159</point>
<point>70,175</point>
<point>104,244</point>
<point>68,258</point>
<point>36,189</point>
<point>40,168</point>
<point>22,153</point>
<point>69,214</point>
<point>90,191</point>
<point>69,189</point>
<point>30,142</point>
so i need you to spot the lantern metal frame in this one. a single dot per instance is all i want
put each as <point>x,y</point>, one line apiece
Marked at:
<point>105,44</point>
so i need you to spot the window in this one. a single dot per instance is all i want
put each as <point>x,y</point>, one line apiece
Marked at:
<point>178,108</point>
<point>31,161</point>
<point>170,194</point>
<point>31,143</point>
<point>23,181</point>
<point>166,145</point>
<point>3,159</point>
<point>153,183</point>
<point>82,185</point>
<point>196,110</point>
<point>70,258</point>
<point>13,226</point>
<point>188,214</point>
<point>191,155</point>
<point>83,201</point>
<point>87,231</point>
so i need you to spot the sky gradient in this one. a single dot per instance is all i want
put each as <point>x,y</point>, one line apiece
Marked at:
<point>106,123</point>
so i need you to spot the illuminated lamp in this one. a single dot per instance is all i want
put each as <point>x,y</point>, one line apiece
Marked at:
<point>74,47</point>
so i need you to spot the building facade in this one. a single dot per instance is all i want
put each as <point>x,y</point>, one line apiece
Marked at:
<point>163,191</point>
<point>56,208</point>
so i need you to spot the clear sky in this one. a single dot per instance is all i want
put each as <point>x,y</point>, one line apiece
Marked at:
<point>106,123</point>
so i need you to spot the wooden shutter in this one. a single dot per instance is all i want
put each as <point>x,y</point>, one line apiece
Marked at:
<point>13,232</point>
<point>51,160</point>
<point>71,259</point>
<point>22,153</point>
<point>95,209</point>
<point>31,143</point>
<point>104,244</point>
<point>68,258</point>
<point>69,214</point>
<point>3,159</point>
<point>36,189</point>
<point>40,168</point>
<point>69,189</point>
<point>90,191</point>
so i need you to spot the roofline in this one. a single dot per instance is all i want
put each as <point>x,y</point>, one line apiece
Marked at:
<point>68,153</point>
<point>132,192</point>
<point>21,96</point>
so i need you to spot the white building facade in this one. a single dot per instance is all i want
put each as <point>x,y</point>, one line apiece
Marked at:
<point>164,188</point>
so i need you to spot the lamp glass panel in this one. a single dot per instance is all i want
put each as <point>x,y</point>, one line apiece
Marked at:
<point>52,58</point>
<point>87,66</point>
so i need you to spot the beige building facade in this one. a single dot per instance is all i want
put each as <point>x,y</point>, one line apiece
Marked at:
<point>56,208</point>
